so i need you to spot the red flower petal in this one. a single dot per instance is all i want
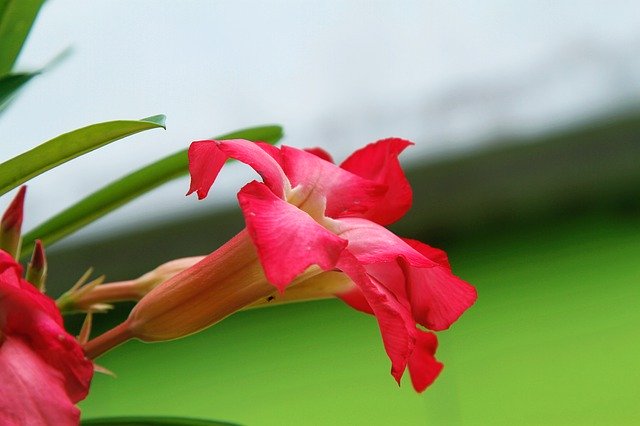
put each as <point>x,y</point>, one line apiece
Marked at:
<point>205,162</point>
<point>31,316</point>
<point>346,194</point>
<point>356,300</point>
<point>319,152</point>
<point>423,367</point>
<point>55,372</point>
<point>206,158</point>
<point>8,263</point>
<point>379,162</point>
<point>438,297</point>
<point>288,240</point>
<point>273,151</point>
<point>31,389</point>
<point>431,253</point>
<point>405,345</point>
<point>374,244</point>
<point>397,341</point>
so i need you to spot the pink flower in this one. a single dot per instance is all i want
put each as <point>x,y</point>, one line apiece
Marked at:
<point>308,212</point>
<point>43,370</point>
<point>313,229</point>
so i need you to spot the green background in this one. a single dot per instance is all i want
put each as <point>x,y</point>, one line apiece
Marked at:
<point>553,339</point>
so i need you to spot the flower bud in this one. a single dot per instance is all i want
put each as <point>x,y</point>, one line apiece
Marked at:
<point>86,298</point>
<point>37,268</point>
<point>147,282</point>
<point>11,224</point>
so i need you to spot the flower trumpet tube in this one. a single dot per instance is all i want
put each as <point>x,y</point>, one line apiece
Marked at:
<point>37,267</point>
<point>210,289</point>
<point>220,284</point>
<point>91,297</point>
<point>311,224</point>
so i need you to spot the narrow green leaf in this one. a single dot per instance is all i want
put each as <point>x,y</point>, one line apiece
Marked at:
<point>153,421</point>
<point>65,147</point>
<point>129,187</point>
<point>16,19</point>
<point>10,84</point>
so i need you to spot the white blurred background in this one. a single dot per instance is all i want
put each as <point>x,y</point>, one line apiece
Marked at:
<point>335,74</point>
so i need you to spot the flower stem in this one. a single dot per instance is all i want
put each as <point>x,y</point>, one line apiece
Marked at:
<point>107,341</point>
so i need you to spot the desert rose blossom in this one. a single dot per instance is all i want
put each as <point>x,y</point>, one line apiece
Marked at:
<point>310,221</point>
<point>43,369</point>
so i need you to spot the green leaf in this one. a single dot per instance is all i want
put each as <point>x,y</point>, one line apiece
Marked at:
<point>65,147</point>
<point>129,187</point>
<point>153,421</point>
<point>10,84</point>
<point>16,19</point>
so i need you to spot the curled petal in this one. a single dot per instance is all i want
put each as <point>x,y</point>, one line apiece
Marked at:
<point>273,151</point>
<point>354,298</point>
<point>415,273</point>
<point>288,239</point>
<point>259,159</point>
<point>397,342</point>
<point>435,254</point>
<point>371,243</point>
<point>346,194</point>
<point>319,152</point>
<point>205,162</point>
<point>423,367</point>
<point>206,158</point>
<point>437,297</point>
<point>379,162</point>
<point>405,345</point>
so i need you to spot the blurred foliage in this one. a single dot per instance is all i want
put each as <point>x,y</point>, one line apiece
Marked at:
<point>552,340</point>
<point>68,146</point>
<point>9,86</point>
<point>16,19</point>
